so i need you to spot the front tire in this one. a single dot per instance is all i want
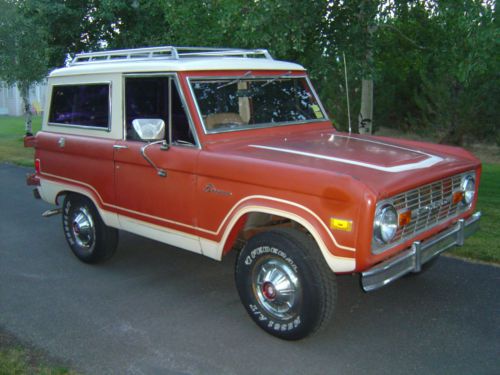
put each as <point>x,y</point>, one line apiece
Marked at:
<point>285,284</point>
<point>89,238</point>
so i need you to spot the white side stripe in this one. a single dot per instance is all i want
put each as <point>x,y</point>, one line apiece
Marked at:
<point>431,160</point>
<point>236,215</point>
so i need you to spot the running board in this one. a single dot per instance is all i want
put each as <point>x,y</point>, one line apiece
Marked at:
<point>49,213</point>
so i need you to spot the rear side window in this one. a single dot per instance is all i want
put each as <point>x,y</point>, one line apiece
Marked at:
<point>80,105</point>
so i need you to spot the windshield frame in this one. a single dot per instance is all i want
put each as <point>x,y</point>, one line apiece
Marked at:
<point>255,77</point>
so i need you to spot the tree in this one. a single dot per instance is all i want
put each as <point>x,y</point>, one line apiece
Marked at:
<point>433,63</point>
<point>23,52</point>
<point>127,24</point>
<point>442,77</point>
<point>67,26</point>
<point>457,94</point>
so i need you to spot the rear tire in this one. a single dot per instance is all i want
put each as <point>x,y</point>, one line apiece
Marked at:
<point>89,238</point>
<point>285,284</point>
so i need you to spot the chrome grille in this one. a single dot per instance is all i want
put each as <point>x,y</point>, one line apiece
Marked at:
<point>430,205</point>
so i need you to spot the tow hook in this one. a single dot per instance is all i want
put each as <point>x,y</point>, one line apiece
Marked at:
<point>49,213</point>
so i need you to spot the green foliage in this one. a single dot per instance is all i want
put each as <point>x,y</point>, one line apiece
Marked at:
<point>445,80</point>
<point>434,63</point>
<point>68,25</point>
<point>129,24</point>
<point>23,51</point>
<point>22,47</point>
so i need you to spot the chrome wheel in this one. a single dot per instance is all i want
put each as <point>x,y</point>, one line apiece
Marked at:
<point>285,284</point>
<point>87,235</point>
<point>83,228</point>
<point>277,288</point>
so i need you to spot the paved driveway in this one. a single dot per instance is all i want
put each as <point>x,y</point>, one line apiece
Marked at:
<point>154,309</point>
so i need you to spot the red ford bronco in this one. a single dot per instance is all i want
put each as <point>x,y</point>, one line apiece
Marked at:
<point>214,150</point>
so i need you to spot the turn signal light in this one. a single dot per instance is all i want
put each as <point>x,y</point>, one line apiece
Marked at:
<point>457,197</point>
<point>404,218</point>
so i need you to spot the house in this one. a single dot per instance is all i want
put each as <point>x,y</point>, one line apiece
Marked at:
<point>11,103</point>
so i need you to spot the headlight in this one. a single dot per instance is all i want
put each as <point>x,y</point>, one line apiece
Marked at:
<point>468,186</point>
<point>385,225</point>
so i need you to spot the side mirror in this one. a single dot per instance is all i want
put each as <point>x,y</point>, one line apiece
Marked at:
<point>149,129</point>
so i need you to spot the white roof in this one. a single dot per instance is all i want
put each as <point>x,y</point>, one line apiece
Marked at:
<point>175,65</point>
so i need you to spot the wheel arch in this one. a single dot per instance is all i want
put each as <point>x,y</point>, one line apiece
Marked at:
<point>53,192</point>
<point>298,215</point>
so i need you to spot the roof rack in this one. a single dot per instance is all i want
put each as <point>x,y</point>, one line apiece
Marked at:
<point>165,52</point>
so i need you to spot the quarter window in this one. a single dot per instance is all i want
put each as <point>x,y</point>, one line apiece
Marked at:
<point>80,105</point>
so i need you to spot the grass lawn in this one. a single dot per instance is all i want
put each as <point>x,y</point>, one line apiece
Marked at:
<point>18,359</point>
<point>11,140</point>
<point>485,244</point>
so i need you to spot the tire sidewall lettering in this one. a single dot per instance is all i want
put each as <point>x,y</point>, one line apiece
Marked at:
<point>272,324</point>
<point>66,223</point>
<point>269,250</point>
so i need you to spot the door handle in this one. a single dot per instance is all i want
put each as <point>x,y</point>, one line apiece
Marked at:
<point>118,147</point>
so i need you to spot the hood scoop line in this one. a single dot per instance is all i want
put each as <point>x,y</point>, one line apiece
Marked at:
<point>428,162</point>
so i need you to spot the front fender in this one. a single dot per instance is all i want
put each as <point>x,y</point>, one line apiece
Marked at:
<point>327,243</point>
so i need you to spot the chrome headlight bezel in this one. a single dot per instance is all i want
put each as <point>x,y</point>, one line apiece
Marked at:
<point>385,223</point>
<point>468,187</point>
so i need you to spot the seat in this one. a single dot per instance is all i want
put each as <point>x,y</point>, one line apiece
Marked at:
<point>215,120</point>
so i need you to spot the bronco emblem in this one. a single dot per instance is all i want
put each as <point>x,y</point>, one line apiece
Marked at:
<point>210,188</point>
<point>434,206</point>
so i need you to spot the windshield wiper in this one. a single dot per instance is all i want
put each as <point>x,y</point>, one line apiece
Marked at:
<point>287,74</point>
<point>235,80</point>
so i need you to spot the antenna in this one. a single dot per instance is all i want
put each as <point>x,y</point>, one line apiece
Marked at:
<point>347,94</point>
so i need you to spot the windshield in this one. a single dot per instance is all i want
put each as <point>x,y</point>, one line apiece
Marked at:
<point>229,104</point>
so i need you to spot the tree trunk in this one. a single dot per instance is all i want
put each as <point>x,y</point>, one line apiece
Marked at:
<point>366,113</point>
<point>24,91</point>
<point>365,118</point>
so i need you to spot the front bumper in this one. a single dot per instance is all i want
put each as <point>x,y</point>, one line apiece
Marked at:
<point>412,259</point>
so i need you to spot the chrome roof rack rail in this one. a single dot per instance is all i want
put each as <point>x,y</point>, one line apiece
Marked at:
<point>165,52</point>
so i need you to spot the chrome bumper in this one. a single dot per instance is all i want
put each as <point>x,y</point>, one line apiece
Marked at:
<point>412,259</point>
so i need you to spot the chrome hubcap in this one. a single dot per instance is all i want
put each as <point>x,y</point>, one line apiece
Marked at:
<point>277,288</point>
<point>83,228</point>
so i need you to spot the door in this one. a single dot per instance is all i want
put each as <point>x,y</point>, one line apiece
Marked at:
<point>153,204</point>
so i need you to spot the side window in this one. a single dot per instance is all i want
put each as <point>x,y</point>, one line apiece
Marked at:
<point>80,105</point>
<point>156,98</point>
<point>145,98</point>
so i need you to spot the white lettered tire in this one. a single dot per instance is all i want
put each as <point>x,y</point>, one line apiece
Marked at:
<point>285,284</point>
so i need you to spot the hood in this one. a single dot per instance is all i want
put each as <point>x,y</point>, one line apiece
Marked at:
<point>354,151</point>
<point>385,165</point>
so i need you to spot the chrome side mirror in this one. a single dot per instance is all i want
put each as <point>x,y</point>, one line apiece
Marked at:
<point>149,129</point>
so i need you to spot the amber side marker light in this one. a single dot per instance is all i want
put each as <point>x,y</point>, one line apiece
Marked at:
<point>404,218</point>
<point>340,224</point>
<point>457,197</point>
